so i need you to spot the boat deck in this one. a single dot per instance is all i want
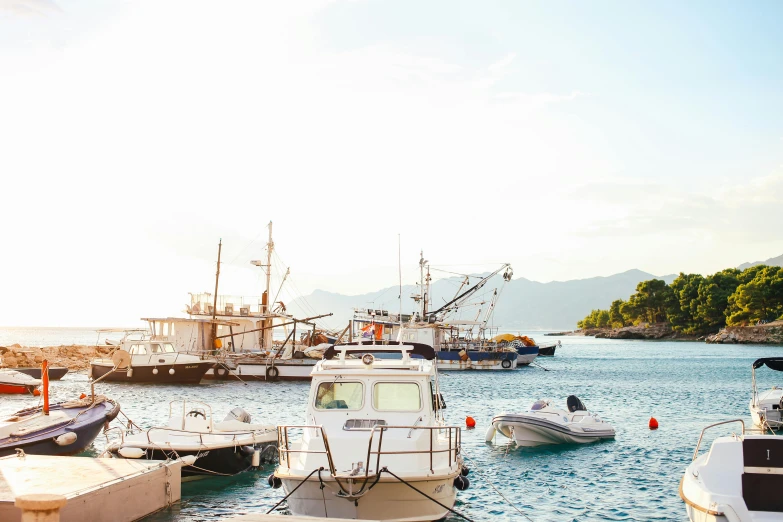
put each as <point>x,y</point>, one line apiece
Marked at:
<point>96,489</point>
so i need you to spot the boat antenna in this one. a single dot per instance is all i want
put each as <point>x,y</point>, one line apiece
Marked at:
<point>217,279</point>
<point>399,270</point>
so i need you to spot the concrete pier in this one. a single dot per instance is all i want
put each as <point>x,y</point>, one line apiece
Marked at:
<point>95,489</point>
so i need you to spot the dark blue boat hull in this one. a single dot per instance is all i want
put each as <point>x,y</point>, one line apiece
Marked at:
<point>87,427</point>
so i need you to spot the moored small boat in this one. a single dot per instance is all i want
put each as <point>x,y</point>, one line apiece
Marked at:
<point>15,382</point>
<point>738,480</point>
<point>375,439</point>
<point>151,361</point>
<point>546,424</point>
<point>766,408</point>
<point>223,448</point>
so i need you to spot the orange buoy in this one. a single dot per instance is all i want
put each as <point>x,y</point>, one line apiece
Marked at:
<point>653,423</point>
<point>82,396</point>
<point>36,392</point>
<point>470,422</point>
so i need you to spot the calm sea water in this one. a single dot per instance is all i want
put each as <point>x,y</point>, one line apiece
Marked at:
<point>635,477</point>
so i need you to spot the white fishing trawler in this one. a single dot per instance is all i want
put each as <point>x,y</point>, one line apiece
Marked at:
<point>375,444</point>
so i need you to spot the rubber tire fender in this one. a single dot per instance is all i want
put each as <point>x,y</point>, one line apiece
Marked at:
<point>272,373</point>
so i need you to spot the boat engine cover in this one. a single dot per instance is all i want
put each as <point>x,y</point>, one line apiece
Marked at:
<point>238,414</point>
<point>574,404</point>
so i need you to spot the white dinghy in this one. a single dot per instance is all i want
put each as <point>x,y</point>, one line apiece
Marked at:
<point>738,480</point>
<point>376,445</point>
<point>546,424</point>
<point>766,407</point>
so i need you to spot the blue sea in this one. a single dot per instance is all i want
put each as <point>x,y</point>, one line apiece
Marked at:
<point>684,385</point>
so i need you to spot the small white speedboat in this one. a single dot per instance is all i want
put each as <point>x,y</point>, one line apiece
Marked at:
<point>738,480</point>
<point>547,424</point>
<point>766,407</point>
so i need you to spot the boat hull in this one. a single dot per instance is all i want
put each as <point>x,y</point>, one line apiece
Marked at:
<point>388,500</point>
<point>287,370</point>
<point>529,432</point>
<point>6,388</point>
<point>452,360</point>
<point>547,351</point>
<point>55,374</point>
<point>185,373</point>
<point>87,427</point>
<point>211,461</point>
<point>526,354</point>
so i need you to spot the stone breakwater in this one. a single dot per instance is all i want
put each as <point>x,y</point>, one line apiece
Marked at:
<point>770,333</point>
<point>73,357</point>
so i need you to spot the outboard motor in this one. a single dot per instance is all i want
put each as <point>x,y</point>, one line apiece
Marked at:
<point>238,414</point>
<point>574,404</point>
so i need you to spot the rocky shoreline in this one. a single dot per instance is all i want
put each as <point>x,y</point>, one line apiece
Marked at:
<point>73,357</point>
<point>770,333</point>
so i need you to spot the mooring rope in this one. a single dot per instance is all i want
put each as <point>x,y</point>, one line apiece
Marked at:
<point>386,470</point>
<point>293,490</point>
<point>473,463</point>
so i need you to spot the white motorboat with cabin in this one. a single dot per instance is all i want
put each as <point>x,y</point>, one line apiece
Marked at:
<point>766,407</point>
<point>375,439</point>
<point>738,480</point>
<point>150,361</point>
<point>547,424</point>
<point>222,448</point>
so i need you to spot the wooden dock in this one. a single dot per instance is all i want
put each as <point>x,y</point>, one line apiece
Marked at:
<point>96,489</point>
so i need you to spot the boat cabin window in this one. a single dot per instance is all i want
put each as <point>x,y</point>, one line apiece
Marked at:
<point>155,348</point>
<point>168,348</point>
<point>138,349</point>
<point>339,396</point>
<point>396,396</point>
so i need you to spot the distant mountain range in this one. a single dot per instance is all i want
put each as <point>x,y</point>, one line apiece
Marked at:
<point>772,261</point>
<point>523,304</point>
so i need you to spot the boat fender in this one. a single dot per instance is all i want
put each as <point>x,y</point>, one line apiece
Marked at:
<point>506,364</point>
<point>188,460</point>
<point>490,433</point>
<point>154,371</point>
<point>274,482</point>
<point>65,439</point>
<point>247,450</point>
<point>221,372</point>
<point>461,483</point>
<point>129,373</point>
<point>272,373</point>
<point>171,371</point>
<point>464,471</point>
<point>256,459</point>
<point>132,453</point>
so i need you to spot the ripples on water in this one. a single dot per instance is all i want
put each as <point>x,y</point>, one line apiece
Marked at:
<point>635,477</point>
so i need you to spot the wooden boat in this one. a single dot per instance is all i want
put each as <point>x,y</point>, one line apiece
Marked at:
<point>151,361</point>
<point>12,381</point>
<point>55,372</point>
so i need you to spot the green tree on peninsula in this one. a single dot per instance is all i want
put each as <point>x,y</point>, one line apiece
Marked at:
<point>694,304</point>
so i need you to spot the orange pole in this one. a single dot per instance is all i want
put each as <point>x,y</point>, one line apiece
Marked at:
<point>45,380</point>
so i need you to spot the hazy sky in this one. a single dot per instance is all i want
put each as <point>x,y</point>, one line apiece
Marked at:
<point>572,139</point>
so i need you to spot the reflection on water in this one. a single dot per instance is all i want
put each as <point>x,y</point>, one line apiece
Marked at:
<point>635,477</point>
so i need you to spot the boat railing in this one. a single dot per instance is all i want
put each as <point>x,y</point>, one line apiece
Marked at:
<point>698,444</point>
<point>452,433</point>
<point>284,449</point>
<point>200,434</point>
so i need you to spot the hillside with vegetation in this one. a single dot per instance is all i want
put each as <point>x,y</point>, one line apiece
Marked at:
<point>693,304</point>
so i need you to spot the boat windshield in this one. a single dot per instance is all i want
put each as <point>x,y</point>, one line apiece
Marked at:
<point>168,348</point>
<point>138,349</point>
<point>396,396</point>
<point>339,395</point>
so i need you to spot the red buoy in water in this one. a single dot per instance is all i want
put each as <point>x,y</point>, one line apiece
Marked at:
<point>470,422</point>
<point>653,423</point>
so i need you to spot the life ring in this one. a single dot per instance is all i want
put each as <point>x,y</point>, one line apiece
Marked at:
<point>272,373</point>
<point>221,372</point>
<point>505,363</point>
